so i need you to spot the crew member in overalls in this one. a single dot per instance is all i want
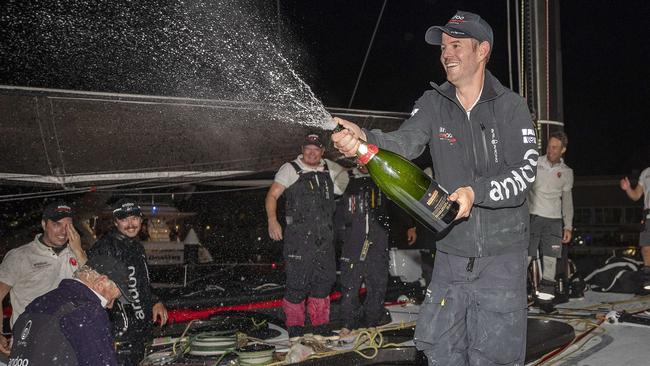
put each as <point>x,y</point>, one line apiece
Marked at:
<point>309,183</point>
<point>364,256</point>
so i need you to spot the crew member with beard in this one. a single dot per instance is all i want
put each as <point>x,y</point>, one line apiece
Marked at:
<point>308,184</point>
<point>33,269</point>
<point>132,322</point>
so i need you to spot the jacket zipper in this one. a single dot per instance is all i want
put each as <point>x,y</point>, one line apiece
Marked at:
<point>485,149</point>
<point>479,236</point>
<point>471,131</point>
<point>487,165</point>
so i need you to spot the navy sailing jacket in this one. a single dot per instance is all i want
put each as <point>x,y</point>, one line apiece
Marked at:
<point>131,322</point>
<point>494,152</point>
<point>81,320</point>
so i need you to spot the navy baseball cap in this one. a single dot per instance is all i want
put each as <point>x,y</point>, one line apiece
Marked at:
<point>313,139</point>
<point>462,25</point>
<point>56,211</point>
<point>125,208</point>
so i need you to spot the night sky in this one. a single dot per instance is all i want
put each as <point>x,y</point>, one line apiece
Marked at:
<point>144,48</point>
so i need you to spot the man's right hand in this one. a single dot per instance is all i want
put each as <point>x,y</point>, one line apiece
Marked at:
<point>625,184</point>
<point>275,230</point>
<point>4,345</point>
<point>347,140</point>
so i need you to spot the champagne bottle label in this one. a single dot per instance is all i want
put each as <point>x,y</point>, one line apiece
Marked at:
<point>367,152</point>
<point>435,201</point>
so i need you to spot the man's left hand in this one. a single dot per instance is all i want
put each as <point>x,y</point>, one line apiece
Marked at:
<point>465,198</point>
<point>160,313</point>
<point>566,236</point>
<point>411,236</point>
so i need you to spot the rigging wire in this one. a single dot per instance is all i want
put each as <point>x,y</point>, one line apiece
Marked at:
<point>108,188</point>
<point>40,128</point>
<point>365,59</point>
<point>57,140</point>
<point>45,195</point>
<point>188,192</point>
<point>64,192</point>
<point>519,18</point>
<point>508,21</point>
<point>223,163</point>
<point>85,188</point>
<point>547,62</point>
<point>551,355</point>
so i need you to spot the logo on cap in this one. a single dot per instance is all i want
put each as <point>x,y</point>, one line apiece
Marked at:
<point>312,139</point>
<point>462,25</point>
<point>63,208</point>
<point>57,211</point>
<point>457,19</point>
<point>125,208</point>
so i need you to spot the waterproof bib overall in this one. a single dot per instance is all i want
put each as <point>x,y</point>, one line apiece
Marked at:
<point>364,257</point>
<point>310,263</point>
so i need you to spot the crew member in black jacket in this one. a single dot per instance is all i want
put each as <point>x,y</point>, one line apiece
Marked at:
<point>132,323</point>
<point>484,151</point>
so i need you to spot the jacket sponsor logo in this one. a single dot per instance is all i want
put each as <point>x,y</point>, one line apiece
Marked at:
<point>25,333</point>
<point>414,111</point>
<point>18,362</point>
<point>494,142</point>
<point>40,265</point>
<point>559,174</point>
<point>529,136</point>
<point>133,290</point>
<point>516,183</point>
<point>443,135</point>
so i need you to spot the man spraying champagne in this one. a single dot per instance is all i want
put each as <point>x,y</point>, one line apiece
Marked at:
<point>483,148</point>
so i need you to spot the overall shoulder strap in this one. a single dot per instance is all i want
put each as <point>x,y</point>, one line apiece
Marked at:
<point>296,167</point>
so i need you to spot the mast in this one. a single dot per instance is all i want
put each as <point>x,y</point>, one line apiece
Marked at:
<point>541,62</point>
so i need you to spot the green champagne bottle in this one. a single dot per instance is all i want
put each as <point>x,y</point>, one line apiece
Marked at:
<point>408,186</point>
